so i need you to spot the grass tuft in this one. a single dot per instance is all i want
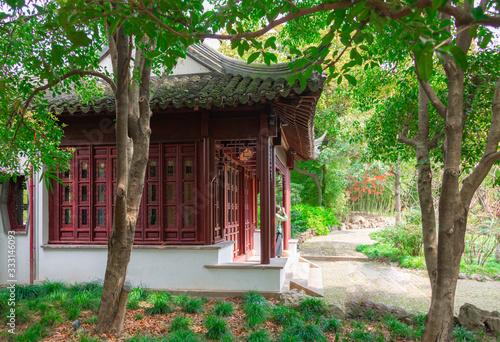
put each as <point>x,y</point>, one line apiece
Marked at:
<point>285,316</point>
<point>332,325</point>
<point>223,309</point>
<point>312,307</point>
<point>216,327</point>
<point>180,323</point>
<point>193,306</point>
<point>259,336</point>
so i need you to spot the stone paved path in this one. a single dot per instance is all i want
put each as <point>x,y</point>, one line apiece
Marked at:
<point>409,289</point>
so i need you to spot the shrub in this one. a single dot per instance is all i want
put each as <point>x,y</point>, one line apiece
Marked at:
<point>223,309</point>
<point>406,238</point>
<point>308,217</point>
<point>216,327</point>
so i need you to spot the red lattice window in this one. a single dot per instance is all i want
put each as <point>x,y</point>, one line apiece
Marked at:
<point>84,201</point>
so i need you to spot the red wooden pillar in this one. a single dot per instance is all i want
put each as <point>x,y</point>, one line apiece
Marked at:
<point>287,204</point>
<point>272,193</point>
<point>263,169</point>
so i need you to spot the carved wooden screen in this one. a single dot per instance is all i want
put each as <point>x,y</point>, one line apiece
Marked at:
<point>82,205</point>
<point>231,207</point>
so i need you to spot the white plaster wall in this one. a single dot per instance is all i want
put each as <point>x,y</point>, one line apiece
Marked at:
<point>183,67</point>
<point>189,66</point>
<point>22,256</point>
<point>173,269</point>
<point>226,254</point>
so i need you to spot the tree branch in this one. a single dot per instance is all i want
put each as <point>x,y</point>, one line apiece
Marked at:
<point>272,24</point>
<point>491,153</point>
<point>431,94</point>
<point>68,75</point>
<point>402,138</point>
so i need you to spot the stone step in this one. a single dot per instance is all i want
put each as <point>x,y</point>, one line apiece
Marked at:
<point>301,272</point>
<point>315,282</point>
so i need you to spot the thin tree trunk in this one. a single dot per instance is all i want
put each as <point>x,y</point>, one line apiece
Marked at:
<point>132,150</point>
<point>397,191</point>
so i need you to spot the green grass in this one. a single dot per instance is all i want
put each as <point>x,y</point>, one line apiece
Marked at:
<point>193,306</point>
<point>332,325</point>
<point>259,336</point>
<point>386,250</point>
<point>285,316</point>
<point>216,327</point>
<point>223,309</point>
<point>180,323</point>
<point>312,307</point>
<point>55,303</point>
<point>301,331</point>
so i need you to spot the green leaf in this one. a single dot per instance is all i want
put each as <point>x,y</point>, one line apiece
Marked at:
<point>351,79</point>
<point>486,39</point>
<point>270,42</point>
<point>300,63</point>
<point>425,65</point>
<point>78,38</point>
<point>303,82</point>
<point>291,80</point>
<point>459,56</point>
<point>477,13</point>
<point>253,57</point>
<point>339,80</point>
<point>324,53</point>
<point>291,65</point>
<point>378,21</point>
<point>473,32</point>
<point>438,4</point>
<point>356,56</point>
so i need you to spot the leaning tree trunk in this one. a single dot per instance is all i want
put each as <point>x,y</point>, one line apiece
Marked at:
<point>318,180</point>
<point>132,149</point>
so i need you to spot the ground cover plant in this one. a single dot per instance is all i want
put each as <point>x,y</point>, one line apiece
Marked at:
<point>403,243</point>
<point>46,312</point>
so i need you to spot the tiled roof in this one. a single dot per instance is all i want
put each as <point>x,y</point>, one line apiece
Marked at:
<point>199,91</point>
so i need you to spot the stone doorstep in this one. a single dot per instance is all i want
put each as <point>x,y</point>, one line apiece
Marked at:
<point>304,276</point>
<point>276,264</point>
<point>335,258</point>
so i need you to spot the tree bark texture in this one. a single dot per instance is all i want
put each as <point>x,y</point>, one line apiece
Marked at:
<point>132,149</point>
<point>397,190</point>
<point>454,201</point>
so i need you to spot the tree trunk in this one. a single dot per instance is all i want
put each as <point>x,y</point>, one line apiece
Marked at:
<point>452,210</point>
<point>397,191</point>
<point>132,149</point>
<point>317,180</point>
